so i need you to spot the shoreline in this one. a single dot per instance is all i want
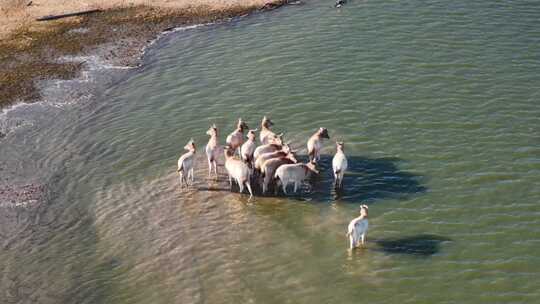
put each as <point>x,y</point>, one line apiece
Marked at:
<point>117,37</point>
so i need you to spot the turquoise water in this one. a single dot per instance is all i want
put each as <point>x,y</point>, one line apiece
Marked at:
<point>437,104</point>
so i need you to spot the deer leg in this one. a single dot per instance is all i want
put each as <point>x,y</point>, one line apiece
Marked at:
<point>215,168</point>
<point>241,185</point>
<point>180,177</point>
<point>249,189</point>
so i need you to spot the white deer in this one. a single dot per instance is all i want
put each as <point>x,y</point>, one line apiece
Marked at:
<point>314,144</point>
<point>236,138</point>
<point>339,164</point>
<point>270,166</point>
<point>275,144</point>
<point>266,134</point>
<point>237,169</point>
<point>358,227</point>
<point>249,147</point>
<point>213,150</point>
<point>185,163</point>
<point>294,173</point>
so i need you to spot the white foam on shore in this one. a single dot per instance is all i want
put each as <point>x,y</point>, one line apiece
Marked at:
<point>93,62</point>
<point>13,107</point>
<point>173,30</point>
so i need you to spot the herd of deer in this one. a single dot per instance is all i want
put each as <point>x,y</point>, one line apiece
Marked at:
<point>273,162</point>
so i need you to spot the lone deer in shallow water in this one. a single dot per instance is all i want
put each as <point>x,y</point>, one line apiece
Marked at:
<point>213,150</point>
<point>339,164</point>
<point>185,163</point>
<point>236,138</point>
<point>314,144</point>
<point>238,170</point>
<point>358,227</point>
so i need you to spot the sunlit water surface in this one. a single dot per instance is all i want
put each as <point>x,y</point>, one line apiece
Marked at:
<point>438,104</point>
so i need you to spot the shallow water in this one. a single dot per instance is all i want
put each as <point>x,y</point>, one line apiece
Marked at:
<point>437,103</point>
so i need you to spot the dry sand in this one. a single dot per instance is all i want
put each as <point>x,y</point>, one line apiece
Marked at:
<point>15,14</point>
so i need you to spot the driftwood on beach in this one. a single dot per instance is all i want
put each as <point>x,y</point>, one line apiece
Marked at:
<point>54,17</point>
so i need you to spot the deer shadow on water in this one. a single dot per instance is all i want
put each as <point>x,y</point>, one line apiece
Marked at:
<point>421,245</point>
<point>366,179</point>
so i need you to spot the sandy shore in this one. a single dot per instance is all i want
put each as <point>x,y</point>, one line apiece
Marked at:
<point>31,50</point>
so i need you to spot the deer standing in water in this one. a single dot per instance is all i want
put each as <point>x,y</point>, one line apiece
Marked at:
<point>185,163</point>
<point>314,144</point>
<point>236,138</point>
<point>237,170</point>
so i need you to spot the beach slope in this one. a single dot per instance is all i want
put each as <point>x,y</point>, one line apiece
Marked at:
<point>117,31</point>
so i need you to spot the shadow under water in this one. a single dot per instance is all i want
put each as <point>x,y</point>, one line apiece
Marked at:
<point>366,179</point>
<point>423,245</point>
